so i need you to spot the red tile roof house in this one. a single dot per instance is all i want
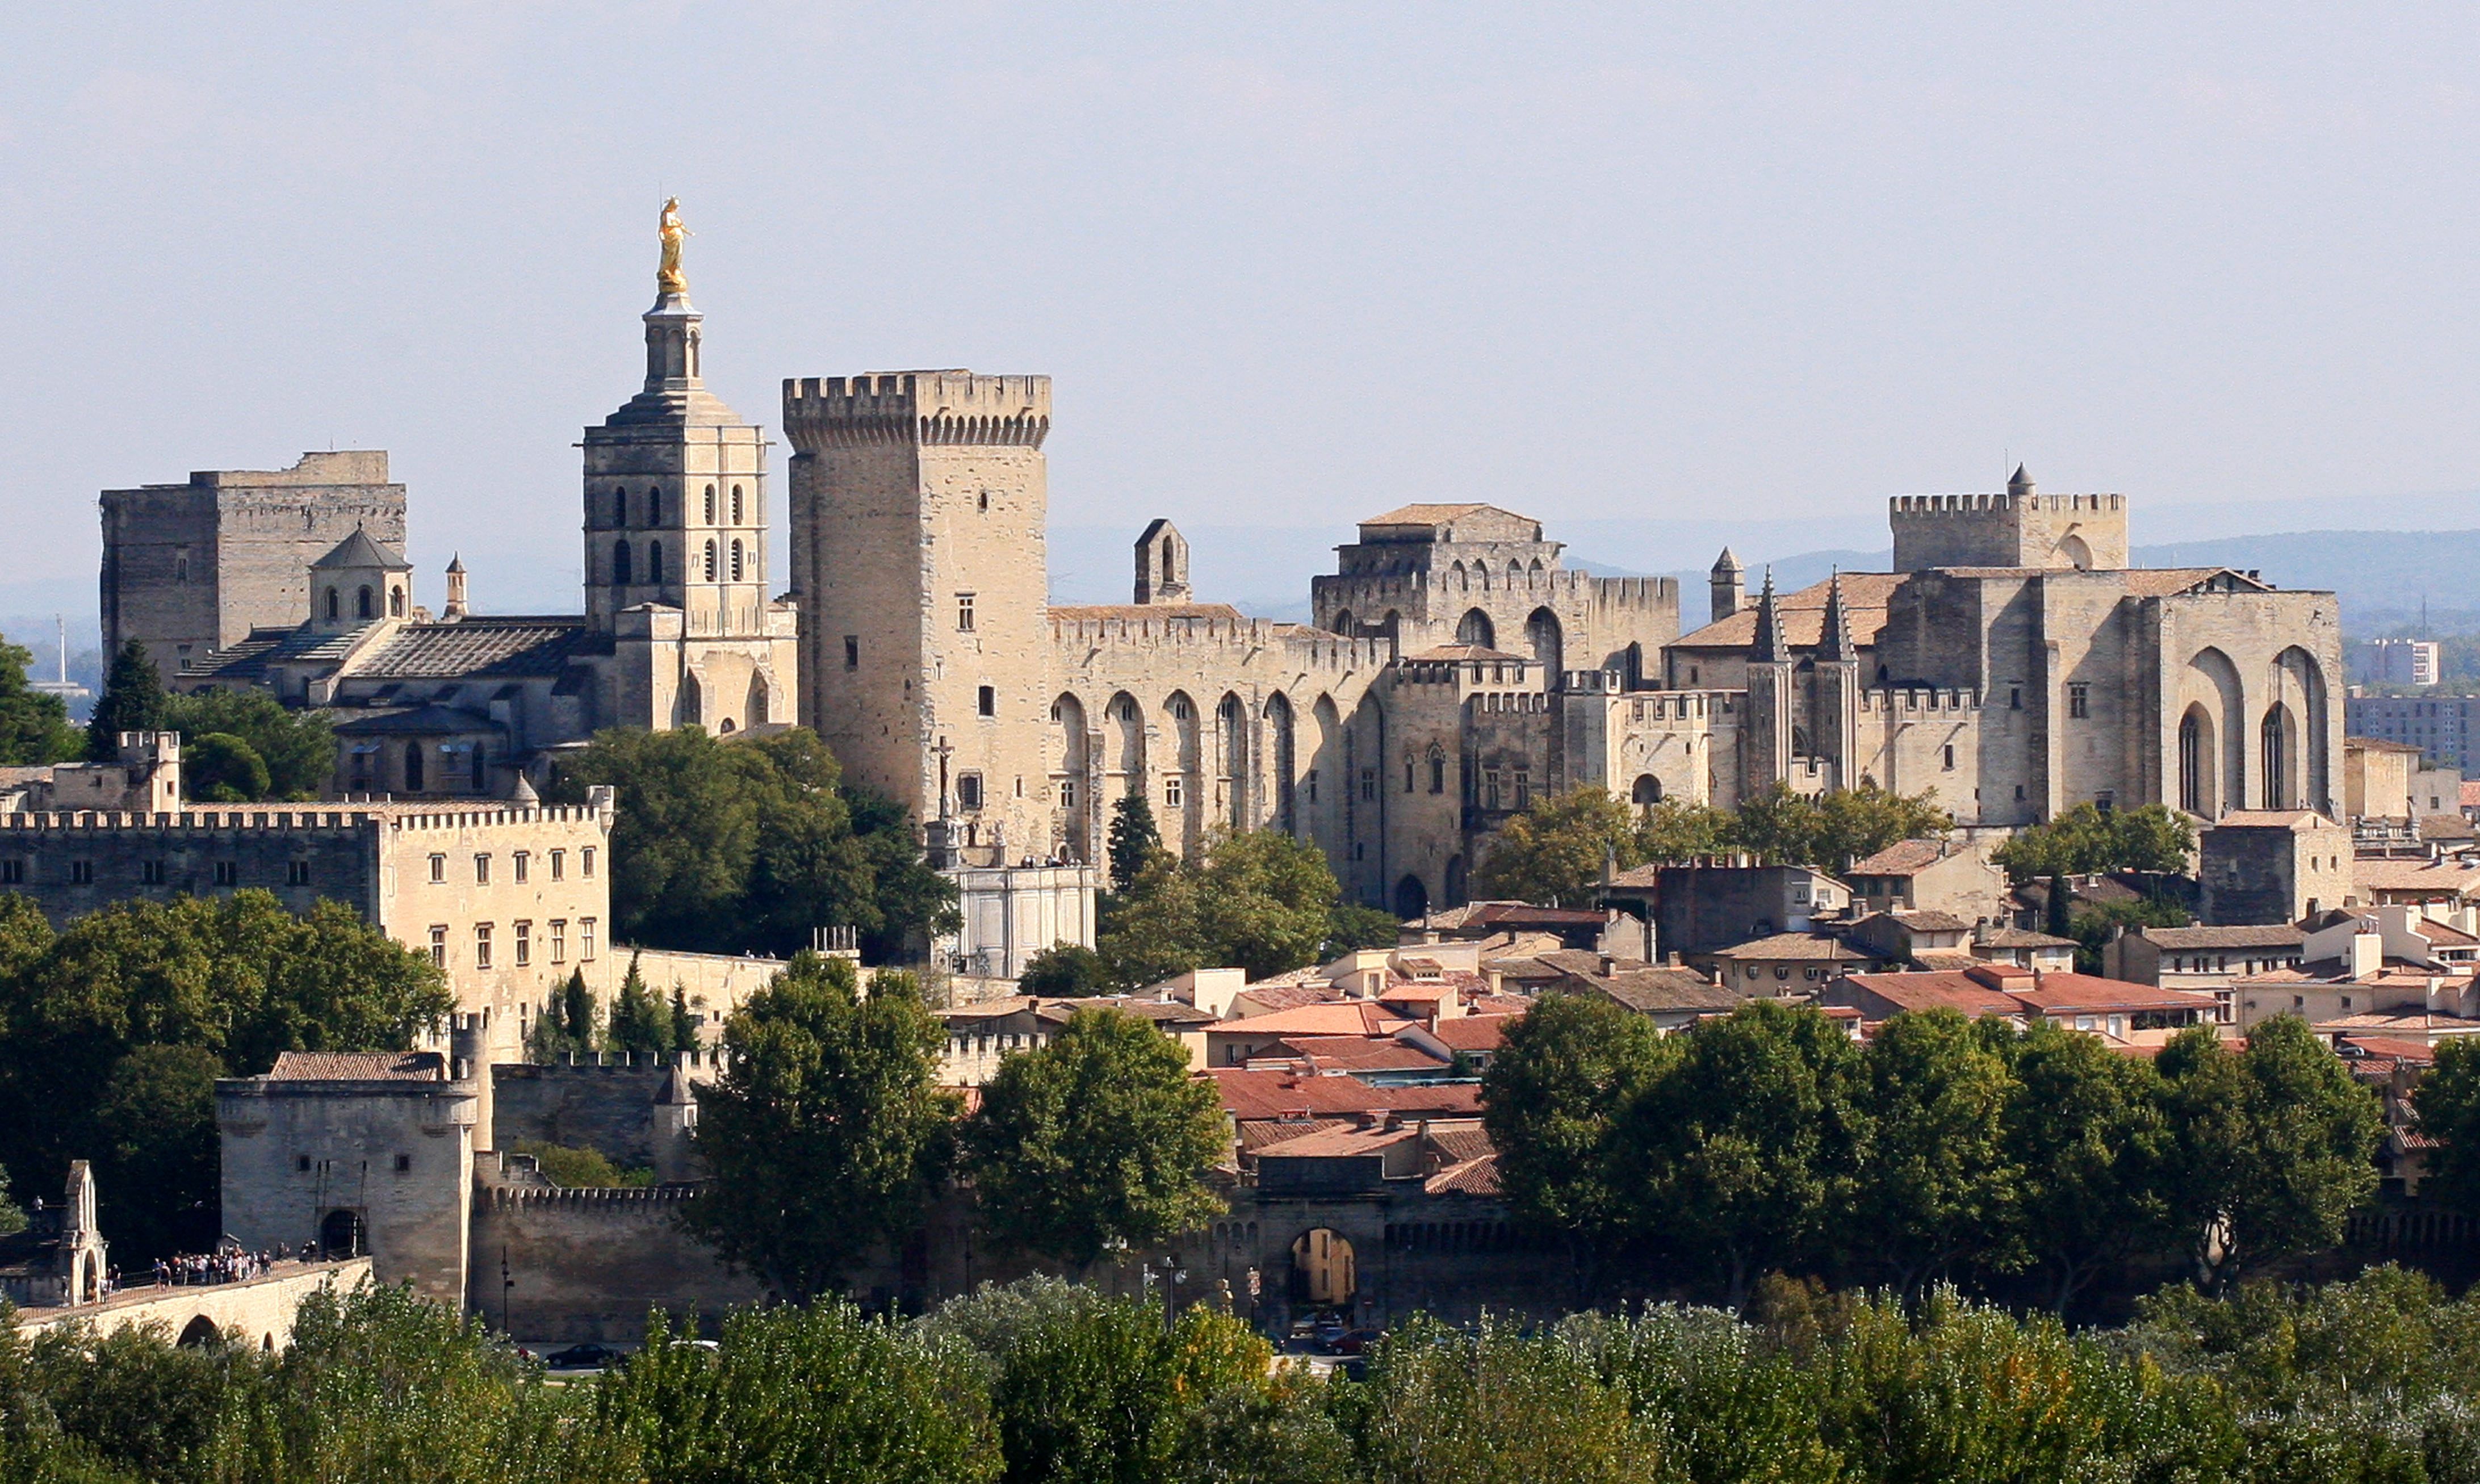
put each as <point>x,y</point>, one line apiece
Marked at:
<point>2133,1015</point>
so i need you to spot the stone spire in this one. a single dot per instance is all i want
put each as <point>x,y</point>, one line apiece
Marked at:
<point>1771,647</point>
<point>2020,486</point>
<point>1836,640</point>
<point>1728,582</point>
<point>455,608</point>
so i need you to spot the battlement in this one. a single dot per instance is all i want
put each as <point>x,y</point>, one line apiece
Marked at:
<point>1510,702</point>
<point>1313,648</point>
<point>397,816</point>
<point>922,407</point>
<point>1681,706</point>
<point>2019,528</point>
<point>1918,700</point>
<point>1968,504</point>
<point>611,1198</point>
<point>607,1064</point>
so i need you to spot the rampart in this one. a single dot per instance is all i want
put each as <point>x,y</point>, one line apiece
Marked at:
<point>555,1267</point>
<point>922,406</point>
<point>604,1101</point>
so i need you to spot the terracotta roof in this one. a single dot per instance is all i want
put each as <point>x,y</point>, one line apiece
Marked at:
<point>2469,794</point>
<point>2379,1022</point>
<point>1257,1133</point>
<point>1941,961</point>
<point>1342,1017</point>
<point>2384,1046</point>
<point>1902,859</point>
<point>2021,938</point>
<point>1336,1143</point>
<point>1105,612</point>
<point>2447,876</point>
<point>1796,945</point>
<point>1359,1054</point>
<point>1928,921</point>
<point>1269,998</point>
<point>359,1066</point>
<point>1473,1033</point>
<point>2447,827</point>
<point>1426,515</point>
<point>2170,581</point>
<point>2278,935</point>
<point>1647,992</point>
<point>2272,819</point>
<point>1478,1177</point>
<point>1160,1011</point>
<point>1514,915</point>
<point>1865,595</point>
<point>1490,1005</point>
<point>1461,1144</point>
<point>2376,745</point>
<point>1948,991</point>
<point>1271,1094</point>
<point>1465,654</point>
<point>1438,1099</point>
<point>2067,993</point>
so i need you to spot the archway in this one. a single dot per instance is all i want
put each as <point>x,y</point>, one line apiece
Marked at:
<point>1283,759</point>
<point>1411,898</point>
<point>1549,644</point>
<point>1124,735</point>
<point>756,710</point>
<point>692,704</point>
<point>342,1233</point>
<point>2197,793</point>
<point>2078,554</point>
<point>1646,792</point>
<point>1475,627</point>
<point>1182,813</point>
<point>199,1331</point>
<point>2278,753</point>
<point>2299,684</point>
<point>1342,622</point>
<point>1325,1273</point>
<point>1067,785</point>
<point>1231,749</point>
<point>2209,691</point>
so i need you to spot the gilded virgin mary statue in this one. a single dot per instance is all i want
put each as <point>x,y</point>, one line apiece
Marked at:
<point>668,277</point>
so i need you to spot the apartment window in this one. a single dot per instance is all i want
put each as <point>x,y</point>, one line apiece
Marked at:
<point>964,613</point>
<point>439,868</point>
<point>558,864</point>
<point>585,937</point>
<point>525,944</point>
<point>969,790</point>
<point>585,862</point>
<point>852,651</point>
<point>481,870</point>
<point>1171,790</point>
<point>1949,752</point>
<point>519,862</point>
<point>986,699</point>
<point>1369,785</point>
<point>560,940</point>
<point>296,873</point>
<point>481,945</point>
<point>153,873</point>
<point>1523,789</point>
<point>2078,698</point>
<point>11,872</point>
<point>1490,789</point>
<point>439,947</point>
<point>227,873</point>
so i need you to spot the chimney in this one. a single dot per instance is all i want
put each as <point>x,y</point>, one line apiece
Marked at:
<point>2367,954</point>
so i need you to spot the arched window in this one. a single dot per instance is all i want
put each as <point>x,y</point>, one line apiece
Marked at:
<point>362,603</point>
<point>710,561</point>
<point>735,506</point>
<point>620,564</point>
<point>710,505</point>
<point>1647,791</point>
<point>653,507</point>
<point>334,603</point>
<point>735,561</point>
<point>619,507</point>
<point>654,561</point>
<point>395,603</point>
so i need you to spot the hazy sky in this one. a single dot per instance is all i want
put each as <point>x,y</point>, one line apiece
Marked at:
<point>1286,264</point>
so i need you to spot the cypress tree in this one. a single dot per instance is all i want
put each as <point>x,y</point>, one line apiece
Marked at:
<point>1135,839</point>
<point>133,700</point>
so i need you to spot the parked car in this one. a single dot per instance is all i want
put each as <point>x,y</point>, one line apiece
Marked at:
<point>1354,1341</point>
<point>582,1357</point>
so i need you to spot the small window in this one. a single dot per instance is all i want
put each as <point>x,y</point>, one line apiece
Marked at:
<point>152,872</point>
<point>735,506</point>
<point>481,870</point>
<point>2078,698</point>
<point>852,651</point>
<point>619,507</point>
<point>525,944</point>
<point>481,945</point>
<point>1308,782</point>
<point>560,940</point>
<point>1438,774</point>
<point>1523,789</point>
<point>403,1163</point>
<point>439,947</point>
<point>986,699</point>
<point>1490,789</point>
<point>558,865</point>
<point>710,510</point>
<point>653,507</point>
<point>585,862</point>
<point>335,608</point>
<point>1068,793</point>
<point>654,561</point>
<point>301,1163</point>
<point>1948,759</point>
<point>1408,775</point>
<point>296,873</point>
<point>969,790</point>
<point>710,561</point>
<point>227,873</point>
<point>13,873</point>
<point>964,613</point>
<point>2019,793</point>
<point>1368,785</point>
<point>1173,790</point>
<point>517,864</point>
<point>735,561</point>
<point>2015,698</point>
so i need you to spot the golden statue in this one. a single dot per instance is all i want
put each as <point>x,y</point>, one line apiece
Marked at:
<point>668,278</point>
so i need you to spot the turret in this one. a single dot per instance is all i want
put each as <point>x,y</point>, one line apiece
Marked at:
<point>1730,581</point>
<point>358,582</point>
<point>1162,565</point>
<point>456,606</point>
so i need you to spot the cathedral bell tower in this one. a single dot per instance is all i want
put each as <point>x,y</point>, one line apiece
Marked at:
<point>675,506</point>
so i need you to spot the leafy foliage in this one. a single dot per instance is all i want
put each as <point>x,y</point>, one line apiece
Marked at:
<point>580,1169</point>
<point>133,700</point>
<point>1066,971</point>
<point>221,768</point>
<point>566,1027</point>
<point>297,747</point>
<point>116,1027</point>
<point>1095,1143</point>
<point>827,1130</point>
<point>1135,839</point>
<point>749,844</point>
<point>2086,839</point>
<point>1258,900</point>
<point>640,1020</point>
<point>34,726</point>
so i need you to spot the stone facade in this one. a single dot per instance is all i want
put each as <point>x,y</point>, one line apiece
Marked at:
<point>191,568</point>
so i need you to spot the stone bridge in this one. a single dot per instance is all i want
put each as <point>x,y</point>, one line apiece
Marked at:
<point>259,1310</point>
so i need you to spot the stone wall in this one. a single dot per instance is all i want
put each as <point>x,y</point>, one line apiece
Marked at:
<point>259,1313</point>
<point>604,1102</point>
<point>588,1264</point>
<point>70,864</point>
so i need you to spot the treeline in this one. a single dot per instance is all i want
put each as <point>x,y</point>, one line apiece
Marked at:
<point>1941,1150</point>
<point>2374,1381</point>
<point>113,1030</point>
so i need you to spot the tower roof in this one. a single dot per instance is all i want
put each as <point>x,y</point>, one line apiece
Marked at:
<point>1771,648</point>
<point>456,563</point>
<point>1728,561</point>
<point>1836,639</point>
<point>358,549</point>
<point>2021,483</point>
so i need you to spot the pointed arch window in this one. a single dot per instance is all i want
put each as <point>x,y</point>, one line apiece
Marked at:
<point>710,561</point>
<point>653,507</point>
<point>395,603</point>
<point>620,564</point>
<point>654,561</point>
<point>334,603</point>
<point>619,507</point>
<point>362,603</point>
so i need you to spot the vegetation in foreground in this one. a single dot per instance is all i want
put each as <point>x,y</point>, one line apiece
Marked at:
<point>2372,1381</point>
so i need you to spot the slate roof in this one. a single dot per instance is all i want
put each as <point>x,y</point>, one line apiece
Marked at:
<point>414,721</point>
<point>359,1066</point>
<point>1651,989</point>
<point>477,648</point>
<point>358,549</point>
<point>246,661</point>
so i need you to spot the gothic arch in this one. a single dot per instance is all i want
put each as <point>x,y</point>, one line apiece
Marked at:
<point>1411,898</point>
<point>1475,627</point>
<point>2211,693</point>
<point>756,708</point>
<point>1281,763</point>
<point>654,506</point>
<point>735,560</point>
<point>1481,574</point>
<point>2298,681</point>
<point>2277,757</point>
<point>1542,631</point>
<point>736,518</point>
<point>691,705</point>
<point>2199,753</point>
<point>655,562</point>
<point>1233,758</point>
<point>710,505</point>
<point>619,564</point>
<point>1124,736</point>
<point>1462,578</point>
<point>362,603</point>
<point>1341,623</point>
<point>1328,781</point>
<point>395,603</point>
<point>1067,783</point>
<point>1184,822</point>
<point>2076,552</point>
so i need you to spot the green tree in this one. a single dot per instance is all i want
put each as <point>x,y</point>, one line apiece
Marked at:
<point>159,1157</point>
<point>2086,1129</point>
<point>640,1021</point>
<point>1939,1183</point>
<point>1779,825</point>
<point>1135,839</point>
<point>751,843</point>
<point>1095,1142</point>
<point>685,1022</point>
<point>1853,824</point>
<point>1674,832</point>
<point>1550,1100</point>
<point>1746,1149</point>
<point>12,1217</point>
<point>1351,925</point>
<point>2086,839</point>
<point>566,1023</point>
<point>2092,926</point>
<point>2447,1101</point>
<point>220,768</point>
<point>1259,900</point>
<point>298,748</point>
<point>2271,1147</point>
<point>34,726</point>
<point>1066,971</point>
<point>132,701</point>
<point>1449,1408</point>
<point>827,1132</point>
<point>1556,851</point>
<point>580,1169</point>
